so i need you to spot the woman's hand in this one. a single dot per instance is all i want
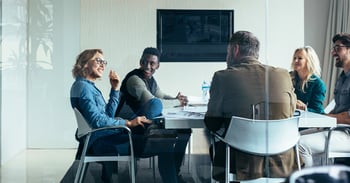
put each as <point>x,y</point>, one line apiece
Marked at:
<point>140,120</point>
<point>182,98</point>
<point>300,105</point>
<point>114,80</point>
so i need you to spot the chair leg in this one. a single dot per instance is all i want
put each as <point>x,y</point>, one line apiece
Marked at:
<point>132,169</point>
<point>150,162</point>
<point>297,156</point>
<point>85,168</point>
<point>189,155</point>
<point>79,173</point>
<point>227,169</point>
<point>154,168</point>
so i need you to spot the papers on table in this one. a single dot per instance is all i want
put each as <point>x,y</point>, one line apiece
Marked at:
<point>192,117</point>
<point>186,112</point>
<point>197,109</point>
<point>196,101</point>
<point>310,119</point>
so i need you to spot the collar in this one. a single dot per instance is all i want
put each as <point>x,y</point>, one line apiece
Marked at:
<point>79,78</point>
<point>247,60</point>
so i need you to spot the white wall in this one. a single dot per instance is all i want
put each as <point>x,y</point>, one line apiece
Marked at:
<point>13,78</point>
<point>123,29</point>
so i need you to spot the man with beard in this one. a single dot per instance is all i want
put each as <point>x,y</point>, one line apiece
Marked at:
<point>314,143</point>
<point>141,93</point>
<point>246,82</point>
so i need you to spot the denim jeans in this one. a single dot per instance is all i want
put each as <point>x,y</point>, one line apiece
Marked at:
<point>151,109</point>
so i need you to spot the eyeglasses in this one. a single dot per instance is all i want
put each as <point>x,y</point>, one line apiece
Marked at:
<point>101,61</point>
<point>337,48</point>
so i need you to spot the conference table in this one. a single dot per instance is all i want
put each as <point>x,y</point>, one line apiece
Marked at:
<point>193,117</point>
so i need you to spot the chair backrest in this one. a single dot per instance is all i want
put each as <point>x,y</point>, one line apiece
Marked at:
<point>262,137</point>
<point>330,106</point>
<point>83,126</point>
<point>329,174</point>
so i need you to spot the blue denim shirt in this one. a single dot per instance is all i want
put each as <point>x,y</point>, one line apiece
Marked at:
<point>88,99</point>
<point>342,93</point>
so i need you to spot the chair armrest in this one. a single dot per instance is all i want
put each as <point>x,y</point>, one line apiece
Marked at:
<point>340,127</point>
<point>216,123</point>
<point>218,136</point>
<point>313,130</point>
<point>111,128</point>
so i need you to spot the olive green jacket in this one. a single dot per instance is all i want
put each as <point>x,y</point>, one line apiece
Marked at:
<point>233,91</point>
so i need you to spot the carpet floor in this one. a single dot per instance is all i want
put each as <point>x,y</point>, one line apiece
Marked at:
<point>195,169</point>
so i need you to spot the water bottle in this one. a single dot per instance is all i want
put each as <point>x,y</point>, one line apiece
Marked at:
<point>205,91</point>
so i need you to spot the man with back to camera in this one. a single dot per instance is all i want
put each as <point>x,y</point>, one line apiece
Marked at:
<point>232,93</point>
<point>142,94</point>
<point>314,143</point>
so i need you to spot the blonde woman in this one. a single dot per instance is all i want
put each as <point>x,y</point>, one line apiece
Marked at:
<point>309,87</point>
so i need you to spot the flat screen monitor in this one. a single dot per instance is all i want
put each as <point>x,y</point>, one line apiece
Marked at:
<point>193,35</point>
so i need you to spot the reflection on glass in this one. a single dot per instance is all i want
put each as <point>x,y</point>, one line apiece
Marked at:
<point>41,34</point>
<point>13,34</point>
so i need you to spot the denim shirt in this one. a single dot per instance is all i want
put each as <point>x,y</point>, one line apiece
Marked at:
<point>342,93</point>
<point>88,99</point>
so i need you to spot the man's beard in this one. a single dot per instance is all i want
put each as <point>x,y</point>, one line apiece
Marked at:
<point>339,63</point>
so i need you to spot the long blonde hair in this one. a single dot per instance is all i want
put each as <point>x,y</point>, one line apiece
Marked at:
<point>312,65</point>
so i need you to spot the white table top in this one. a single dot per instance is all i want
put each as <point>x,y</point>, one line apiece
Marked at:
<point>309,119</point>
<point>192,117</point>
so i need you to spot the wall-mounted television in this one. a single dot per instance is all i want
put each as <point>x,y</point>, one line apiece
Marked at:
<point>193,35</point>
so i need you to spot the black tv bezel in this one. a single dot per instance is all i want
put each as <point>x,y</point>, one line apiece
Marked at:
<point>192,55</point>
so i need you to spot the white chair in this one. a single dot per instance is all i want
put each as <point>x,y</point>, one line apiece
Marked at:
<point>329,153</point>
<point>260,137</point>
<point>330,106</point>
<point>327,174</point>
<point>85,130</point>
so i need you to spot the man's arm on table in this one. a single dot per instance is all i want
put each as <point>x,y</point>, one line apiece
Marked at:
<point>342,118</point>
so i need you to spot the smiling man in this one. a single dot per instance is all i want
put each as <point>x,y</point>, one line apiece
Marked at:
<point>340,140</point>
<point>141,93</point>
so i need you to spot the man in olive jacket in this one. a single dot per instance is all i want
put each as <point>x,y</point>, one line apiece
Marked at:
<point>233,92</point>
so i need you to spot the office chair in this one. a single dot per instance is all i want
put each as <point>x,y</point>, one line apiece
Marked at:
<point>330,106</point>
<point>321,174</point>
<point>331,154</point>
<point>260,137</point>
<point>157,137</point>
<point>85,130</point>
